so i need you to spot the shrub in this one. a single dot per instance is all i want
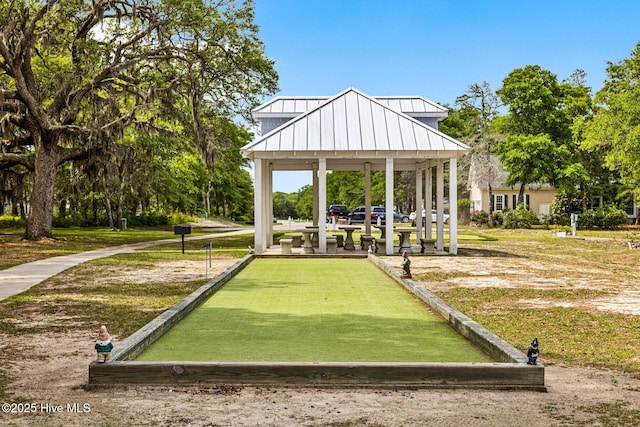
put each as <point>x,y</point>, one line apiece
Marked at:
<point>564,204</point>
<point>65,221</point>
<point>150,219</point>
<point>605,217</point>
<point>180,218</point>
<point>10,221</point>
<point>498,218</point>
<point>480,218</point>
<point>520,217</point>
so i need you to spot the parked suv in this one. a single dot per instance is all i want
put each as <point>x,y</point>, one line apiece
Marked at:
<point>434,216</point>
<point>358,215</point>
<point>337,211</point>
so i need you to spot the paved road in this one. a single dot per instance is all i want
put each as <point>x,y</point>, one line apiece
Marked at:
<point>21,277</point>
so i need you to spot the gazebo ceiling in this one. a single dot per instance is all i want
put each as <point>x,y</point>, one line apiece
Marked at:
<point>349,130</point>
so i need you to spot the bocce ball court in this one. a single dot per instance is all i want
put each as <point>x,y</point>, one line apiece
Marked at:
<point>305,321</point>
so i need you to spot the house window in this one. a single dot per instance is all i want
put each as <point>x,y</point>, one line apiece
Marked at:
<point>498,202</point>
<point>515,201</point>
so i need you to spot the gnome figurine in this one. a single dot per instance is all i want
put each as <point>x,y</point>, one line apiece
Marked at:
<point>104,345</point>
<point>406,266</point>
<point>533,352</point>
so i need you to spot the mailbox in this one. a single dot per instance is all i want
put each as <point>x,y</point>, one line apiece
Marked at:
<point>182,229</point>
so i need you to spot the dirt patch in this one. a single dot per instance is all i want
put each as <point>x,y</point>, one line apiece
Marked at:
<point>517,272</point>
<point>52,370</point>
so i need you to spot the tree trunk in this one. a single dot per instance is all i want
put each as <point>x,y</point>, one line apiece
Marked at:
<point>491,223</point>
<point>520,196</point>
<point>40,221</point>
<point>119,207</point>
<point>62,208</point>
<point>107,205</point>
<point>490,201</point>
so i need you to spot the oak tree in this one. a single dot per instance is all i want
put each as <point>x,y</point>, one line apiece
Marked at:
<point>74,74</point>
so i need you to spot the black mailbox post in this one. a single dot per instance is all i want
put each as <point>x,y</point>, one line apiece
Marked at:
<point>182,230</point>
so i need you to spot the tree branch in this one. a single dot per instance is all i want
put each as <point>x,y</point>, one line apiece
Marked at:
<point>13,159</point>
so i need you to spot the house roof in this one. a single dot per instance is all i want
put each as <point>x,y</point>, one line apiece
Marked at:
<point>487,169</point>
<point>291,106</point>
<point>354,124</point>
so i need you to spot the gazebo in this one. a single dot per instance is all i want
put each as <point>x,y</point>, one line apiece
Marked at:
<point>351,132</point>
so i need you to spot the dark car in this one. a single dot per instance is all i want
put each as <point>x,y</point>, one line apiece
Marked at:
<point>337,211</point>
<point>358,215</point>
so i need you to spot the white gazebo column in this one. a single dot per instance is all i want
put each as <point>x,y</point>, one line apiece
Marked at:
<point>322,204</point>
<point>419,201</point>
<point>258,208</point>
<point>439,206</point>
<point>428,200</point>
<point>315,194</point>
<point>453,206</point>
<point>367,197</point>
<point>388,203</point>
<point>269,204</point>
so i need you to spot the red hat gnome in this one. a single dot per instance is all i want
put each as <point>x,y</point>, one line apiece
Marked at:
<point>104,345</point>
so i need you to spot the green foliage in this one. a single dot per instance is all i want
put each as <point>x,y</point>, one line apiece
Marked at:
<point>480,218</point>
<point>497,220</point>
<point>461,124</point>
<point>77,220</point>
<point>172,71</point>
<point>531,159</point>
<point>605,217</point>
<point>520,217</point>
<point>304,205</point>
<point>615,128</point>
<point>532,95</point>
<point>9,221</point>
<point>149,218</point>
<point>284,205</point>
<point>180,218</point>
<point>464,204</point>
<point>564,204</point>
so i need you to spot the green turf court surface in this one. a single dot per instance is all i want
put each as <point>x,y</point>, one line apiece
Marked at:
<point>305,310</point>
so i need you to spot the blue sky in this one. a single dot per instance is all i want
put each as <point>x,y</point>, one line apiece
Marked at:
<point>436,48</point>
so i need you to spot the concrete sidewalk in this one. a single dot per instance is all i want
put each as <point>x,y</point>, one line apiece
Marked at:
<point>21,277</point>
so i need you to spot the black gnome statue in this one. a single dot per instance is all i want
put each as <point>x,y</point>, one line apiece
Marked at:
<point>533,352</point>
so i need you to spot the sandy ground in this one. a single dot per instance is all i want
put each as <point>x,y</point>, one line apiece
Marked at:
<point>51,380</point>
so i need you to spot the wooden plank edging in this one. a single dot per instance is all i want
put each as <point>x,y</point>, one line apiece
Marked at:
<point>321,374</point>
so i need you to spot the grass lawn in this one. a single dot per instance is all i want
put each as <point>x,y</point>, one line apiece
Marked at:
<point>15,251</point>
<point>313,310</point>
